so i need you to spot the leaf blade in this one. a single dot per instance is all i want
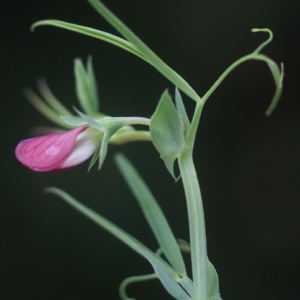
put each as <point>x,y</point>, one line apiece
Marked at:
<point>98,34</point>
<point>113,229</point>
<point>213,282</point>
<point>146,52</point>
<point>153,213</point>
<point>167,132</point>
<point>170,284</point>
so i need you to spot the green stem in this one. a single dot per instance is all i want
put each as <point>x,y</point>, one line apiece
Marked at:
<point>130,136</point>
<point>133,279</point>
<point>136,121</point>
<point>225,73</point>
<point>193,195</point>
<point>277,75</point>
<point>190,181</point>
<point>196,224</point>
<point>191,134</point>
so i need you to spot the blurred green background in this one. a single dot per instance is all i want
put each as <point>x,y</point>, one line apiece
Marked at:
<point>248,164</point>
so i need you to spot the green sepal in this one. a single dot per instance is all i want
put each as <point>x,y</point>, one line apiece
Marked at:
<point>94,158</point>
<point>213,282</point>
<point>109,126</point>
<point>104,144</point>
<point>167,132</point>
<point>169,283</point>
<point>181,110</point>
<point>74,121</point>
<point>51,99</point>
<point>86,86</point>
<point>45,109</point>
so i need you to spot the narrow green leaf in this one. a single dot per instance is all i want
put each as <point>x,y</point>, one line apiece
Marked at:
<point>153,214</point>
<point>98,34</point>
<point>213,282</point>
<point>188,285</point>
<point>148,54</point>
<point>181,110</point>
<point>122,43</point>
<point>274,70</point>
<point>112,229</point>
<point>170,284</point>
<point>167,132</point>
<point>275,101</point>
<point>278,79</point>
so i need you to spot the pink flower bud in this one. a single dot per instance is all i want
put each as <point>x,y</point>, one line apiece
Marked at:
<point>58,150</point>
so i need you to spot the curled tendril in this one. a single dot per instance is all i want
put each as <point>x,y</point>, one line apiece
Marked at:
<point>264,44</point>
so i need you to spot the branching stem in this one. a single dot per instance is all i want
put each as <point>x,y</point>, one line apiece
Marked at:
<point>196,224</point>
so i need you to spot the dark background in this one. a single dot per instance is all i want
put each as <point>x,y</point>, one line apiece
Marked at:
<point>248,164</point>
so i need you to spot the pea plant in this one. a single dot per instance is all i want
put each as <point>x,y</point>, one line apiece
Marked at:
<point>87,132</point>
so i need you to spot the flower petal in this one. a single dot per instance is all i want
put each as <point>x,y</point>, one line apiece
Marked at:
<point>86,144</point>
<point>47,153</point>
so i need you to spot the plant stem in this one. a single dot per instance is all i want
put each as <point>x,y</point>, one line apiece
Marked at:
<point>252,56</point>
<point>130,136</point>
<point>133,279</point>
<point>196,224</point>
<point>136,120</point>
<point>225,73</point>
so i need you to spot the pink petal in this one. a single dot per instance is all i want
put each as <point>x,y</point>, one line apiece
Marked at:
<point>48,152</point>
<point>86,144</point>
